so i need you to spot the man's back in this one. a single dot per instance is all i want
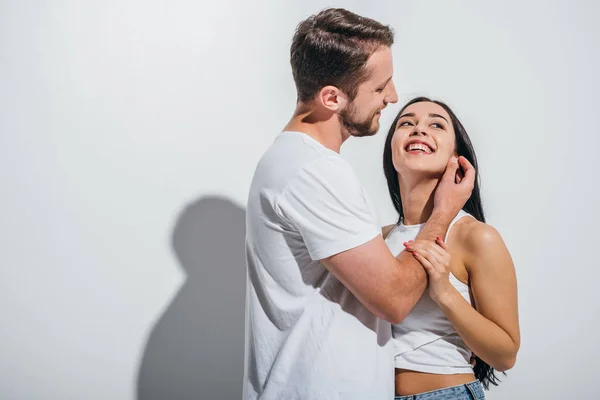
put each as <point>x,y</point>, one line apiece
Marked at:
<point>307,336</point>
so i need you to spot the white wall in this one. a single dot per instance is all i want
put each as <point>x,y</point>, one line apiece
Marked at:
<point>129,132</point>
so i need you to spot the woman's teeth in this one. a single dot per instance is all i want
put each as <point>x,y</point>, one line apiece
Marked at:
<point>419,146</point>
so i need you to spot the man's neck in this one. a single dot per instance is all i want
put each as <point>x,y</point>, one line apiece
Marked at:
<point>325,128</point>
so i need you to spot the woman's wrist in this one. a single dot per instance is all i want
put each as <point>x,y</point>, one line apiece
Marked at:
<point>448,298</point>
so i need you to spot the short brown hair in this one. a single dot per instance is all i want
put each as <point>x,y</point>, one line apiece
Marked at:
<point>332,48</point>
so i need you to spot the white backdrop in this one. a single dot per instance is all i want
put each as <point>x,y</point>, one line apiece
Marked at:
<point>129,132</point>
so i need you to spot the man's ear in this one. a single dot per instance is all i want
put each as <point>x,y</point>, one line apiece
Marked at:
<point>332,98</point>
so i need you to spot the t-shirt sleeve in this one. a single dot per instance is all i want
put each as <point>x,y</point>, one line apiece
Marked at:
<point>326,204</point>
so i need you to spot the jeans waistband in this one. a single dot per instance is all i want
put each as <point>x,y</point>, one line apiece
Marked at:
<point>473,388</point>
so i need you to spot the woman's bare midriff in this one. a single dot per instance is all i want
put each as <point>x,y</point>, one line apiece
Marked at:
<point>413,382</point>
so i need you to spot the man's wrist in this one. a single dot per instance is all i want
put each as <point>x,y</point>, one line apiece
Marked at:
<point>442,216</point>
<point>437,225</point>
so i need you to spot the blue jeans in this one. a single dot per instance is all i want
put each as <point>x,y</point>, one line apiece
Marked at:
<point>469,391</point>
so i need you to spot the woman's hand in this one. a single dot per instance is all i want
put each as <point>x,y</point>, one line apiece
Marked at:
<point>435,258</point>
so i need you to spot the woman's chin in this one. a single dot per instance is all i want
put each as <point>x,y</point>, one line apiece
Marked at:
<point>421,172</point>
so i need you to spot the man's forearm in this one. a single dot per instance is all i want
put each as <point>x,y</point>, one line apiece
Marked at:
<point>414,277</point>
<point>437,225</point>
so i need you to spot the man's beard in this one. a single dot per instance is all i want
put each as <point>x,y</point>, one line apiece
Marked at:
<point>365,127</point>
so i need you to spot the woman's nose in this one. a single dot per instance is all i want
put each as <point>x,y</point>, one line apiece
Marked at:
<point>418,132</point>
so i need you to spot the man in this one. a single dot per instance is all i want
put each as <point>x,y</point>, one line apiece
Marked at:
<point>322,285</point>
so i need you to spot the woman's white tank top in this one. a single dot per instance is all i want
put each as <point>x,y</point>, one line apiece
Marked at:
<point>425,340</point>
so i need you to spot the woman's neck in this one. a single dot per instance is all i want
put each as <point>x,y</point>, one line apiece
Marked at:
<point>417,199</point>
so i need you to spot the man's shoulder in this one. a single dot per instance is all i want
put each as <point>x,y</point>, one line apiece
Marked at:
<point>286,163</point>
<point>298,150</point>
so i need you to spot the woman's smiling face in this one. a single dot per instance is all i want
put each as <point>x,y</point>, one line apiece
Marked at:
<point>424,140</point>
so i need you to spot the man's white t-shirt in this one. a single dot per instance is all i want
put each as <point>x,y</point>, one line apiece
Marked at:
<point>307,336</point>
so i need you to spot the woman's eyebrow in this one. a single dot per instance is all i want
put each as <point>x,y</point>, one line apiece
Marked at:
<point>437,116</point>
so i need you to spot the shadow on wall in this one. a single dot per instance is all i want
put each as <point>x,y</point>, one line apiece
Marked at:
<point>196,349</point>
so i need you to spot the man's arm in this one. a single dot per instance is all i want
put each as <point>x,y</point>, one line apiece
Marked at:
<point>390,286</point>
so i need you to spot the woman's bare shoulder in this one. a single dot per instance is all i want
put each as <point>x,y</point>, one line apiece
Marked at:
<point>474,237</point>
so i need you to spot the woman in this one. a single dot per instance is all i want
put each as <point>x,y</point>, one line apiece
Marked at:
<point>470,305</point>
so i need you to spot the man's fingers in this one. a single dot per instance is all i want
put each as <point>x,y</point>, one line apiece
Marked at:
<point>459,175</point>
<point>450,174</point>
<point>468,170</point>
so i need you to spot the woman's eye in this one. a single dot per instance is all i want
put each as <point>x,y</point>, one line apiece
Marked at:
<point>438,126</point>
<point>405,123</point>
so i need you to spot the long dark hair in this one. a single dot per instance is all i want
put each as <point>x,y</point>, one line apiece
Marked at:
<point>484,372</point>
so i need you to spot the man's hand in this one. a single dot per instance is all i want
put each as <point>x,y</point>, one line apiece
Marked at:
<point>455,187</point>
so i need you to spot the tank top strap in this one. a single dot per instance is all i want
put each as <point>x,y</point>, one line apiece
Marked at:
<point>461,214</point>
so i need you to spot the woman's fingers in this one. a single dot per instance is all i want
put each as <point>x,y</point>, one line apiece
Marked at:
<point>441,243</point>
<point>437,256</point>
<point>424,262</point>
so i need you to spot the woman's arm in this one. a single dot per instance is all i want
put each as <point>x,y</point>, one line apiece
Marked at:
<point>491,331</point>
